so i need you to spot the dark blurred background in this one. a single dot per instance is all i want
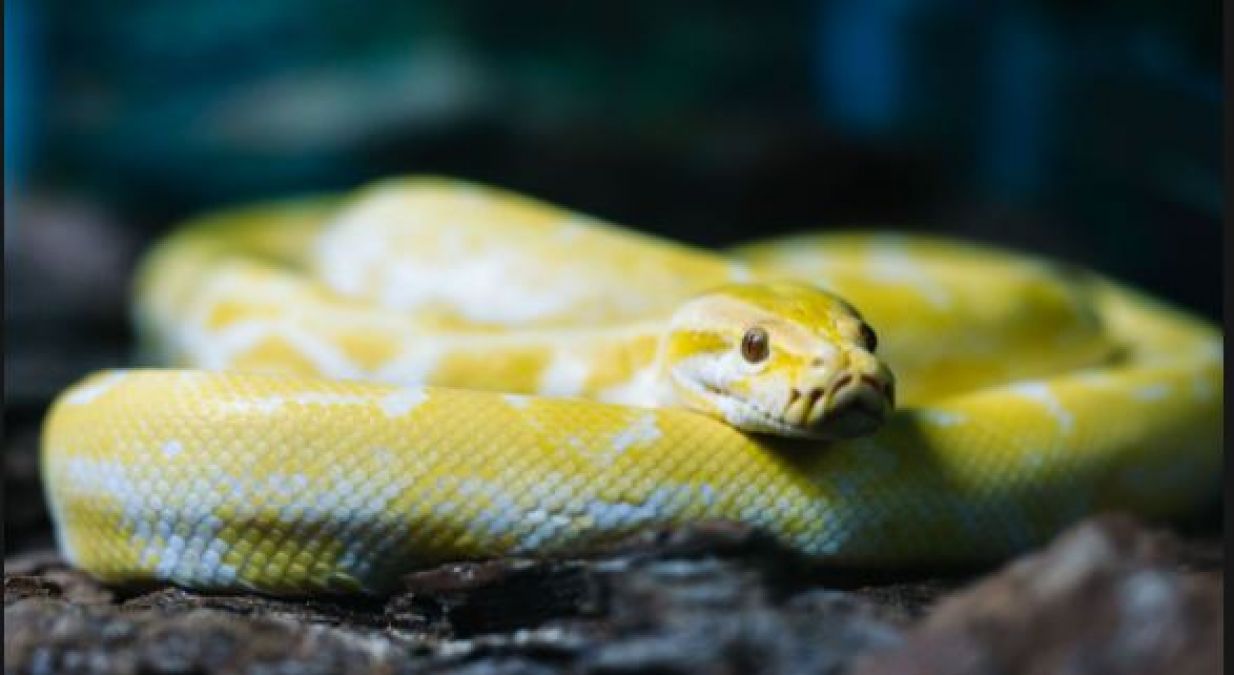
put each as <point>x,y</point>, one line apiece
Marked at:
<point>1086,130</point>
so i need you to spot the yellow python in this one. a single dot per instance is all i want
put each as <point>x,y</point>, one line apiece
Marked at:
<point>430,370</point>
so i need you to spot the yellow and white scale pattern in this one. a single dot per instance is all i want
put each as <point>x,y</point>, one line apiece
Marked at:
<point>295,483</point>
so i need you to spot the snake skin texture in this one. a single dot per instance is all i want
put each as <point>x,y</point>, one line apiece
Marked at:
<point>332,418</point>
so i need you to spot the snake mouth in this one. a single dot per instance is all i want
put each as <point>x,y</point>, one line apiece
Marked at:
<point>748,417</point>
<point>857,408</point>
<point>850,405</point>
<point>854,406</point>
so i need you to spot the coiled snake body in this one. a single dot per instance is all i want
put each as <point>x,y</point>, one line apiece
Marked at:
<point>431,370</point>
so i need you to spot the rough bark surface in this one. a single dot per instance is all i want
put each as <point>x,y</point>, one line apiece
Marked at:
<point>1109,596</point>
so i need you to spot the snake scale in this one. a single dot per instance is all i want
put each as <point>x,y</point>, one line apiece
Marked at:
<point>428,370</point>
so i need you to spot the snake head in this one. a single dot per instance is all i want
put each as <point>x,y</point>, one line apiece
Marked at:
<point>782,358</point>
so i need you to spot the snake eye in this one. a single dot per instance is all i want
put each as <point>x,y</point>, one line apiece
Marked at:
<point>868,339</point>
<point>755,345</point>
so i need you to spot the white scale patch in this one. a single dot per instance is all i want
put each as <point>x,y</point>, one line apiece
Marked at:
<point>516,400</point>
<point>87,393</point>
<point>318,398</point>
<point>640,390</point>
<point>739,273</point>
<point>172,448</point>
<point>481,287</point>
<point>1040,392</point>
<point>1095,378</point>
<point>609,516</point>
<point>889,262</point>
<point>719,373</point>
<point>327,358</point>
<point>266,405</point>
<point>217,351</point>
<point>271,404</point>
<point>343,255</point>
<point>348,509</point>
<point>482,282</point>
<point>1151,392</point>
<point>177,543</point>
<point>562,500</point>
<point>573,226</point>
<point>941,418</point>
<point>503,515</point>
<point>402,401</point>
<point>285,485</point>
<point>414,365</point>
<point>565,375</point>
<point>805,260</point>
<point>642,430</point>
<point>708,494</point>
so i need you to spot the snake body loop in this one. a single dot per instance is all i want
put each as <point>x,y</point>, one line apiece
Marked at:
<point>431,371</point>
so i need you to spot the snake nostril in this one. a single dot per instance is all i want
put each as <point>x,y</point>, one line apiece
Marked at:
<point>793,395</point>
<point>839,384</point>
<point>813,397</point>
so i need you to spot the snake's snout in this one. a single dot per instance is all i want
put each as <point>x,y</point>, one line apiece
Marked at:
<point>849,405</point>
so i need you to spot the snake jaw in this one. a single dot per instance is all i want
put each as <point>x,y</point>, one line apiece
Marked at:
<point>851,404</point>
<point>742,413</point>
